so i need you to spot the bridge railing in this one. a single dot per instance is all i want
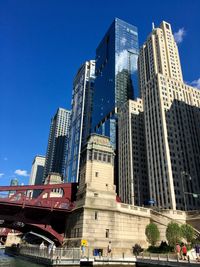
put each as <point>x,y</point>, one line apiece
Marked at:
<point>53,196</point>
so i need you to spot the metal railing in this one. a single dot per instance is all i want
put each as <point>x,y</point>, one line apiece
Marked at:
<point>172,257</point>
<point>57,253</point>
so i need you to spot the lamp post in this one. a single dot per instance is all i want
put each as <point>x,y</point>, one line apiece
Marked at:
<point>184,198</point>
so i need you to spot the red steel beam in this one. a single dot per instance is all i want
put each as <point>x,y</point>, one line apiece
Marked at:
<point>37,187</point>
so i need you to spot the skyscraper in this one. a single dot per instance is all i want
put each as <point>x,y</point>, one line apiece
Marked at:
<point>36,177</point>
<point>172,123</point>
<point>37,170</point>
<point>116,72</point>
<point>13,182</point>
<point>82,100</point>
<point>132,161</point>
<point>57,143</point>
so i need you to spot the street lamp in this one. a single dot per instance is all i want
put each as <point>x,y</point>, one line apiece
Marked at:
<point>183,173</point>
<point>183,189</point>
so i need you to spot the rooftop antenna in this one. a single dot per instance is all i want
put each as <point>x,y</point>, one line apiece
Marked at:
<point>153,26</point>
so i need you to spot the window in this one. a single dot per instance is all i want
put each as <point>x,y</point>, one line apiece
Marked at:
<point>96,174</point>
<point>95,215</point>
<point>95,155</point>
<point>107,233</point>
<point>90,155</point>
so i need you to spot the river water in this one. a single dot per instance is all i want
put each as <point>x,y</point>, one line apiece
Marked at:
<point>7,261</point>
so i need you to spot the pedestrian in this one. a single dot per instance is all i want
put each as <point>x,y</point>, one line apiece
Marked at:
<point>49,249</point>
<point>54,248</point>
<point>197,250</point>
<point>82,251</point>
<point>184,251</point>
<point>42,246</point>
<point>109,248</point>
<point>178,250</point>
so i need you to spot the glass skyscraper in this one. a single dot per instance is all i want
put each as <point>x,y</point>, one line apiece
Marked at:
<point>116,75</point>
<point>82,100</point>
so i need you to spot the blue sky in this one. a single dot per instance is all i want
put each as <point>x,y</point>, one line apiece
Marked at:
<point>42,45</point>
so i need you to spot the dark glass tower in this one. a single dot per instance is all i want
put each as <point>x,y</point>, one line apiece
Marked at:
<point>116,75</point>
<point>80,129</point>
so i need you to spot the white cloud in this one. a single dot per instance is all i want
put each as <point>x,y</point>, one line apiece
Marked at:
<point>196,83</point>
<point>123,59</point>
<point>178,36</point>
<point>123,41</point>
<point>21,172</point>
<point>1,174</point>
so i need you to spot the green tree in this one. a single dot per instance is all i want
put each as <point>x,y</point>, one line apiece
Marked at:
<point>152,233</point>
<point>187,232</point>
<point>173,233</point>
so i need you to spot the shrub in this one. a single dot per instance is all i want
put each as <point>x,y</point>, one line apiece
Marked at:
<point>163,248</point>
<point>187,232</point>
<point>137,249</point>
<point>152,233</point>
<point>173,234</point>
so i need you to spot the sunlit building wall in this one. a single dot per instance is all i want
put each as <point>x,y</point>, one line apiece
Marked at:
<point>172,124</point>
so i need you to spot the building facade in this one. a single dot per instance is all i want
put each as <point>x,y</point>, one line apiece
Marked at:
<point>172,123</point>
<point>37,171</point>
<point>116,72</point>
<point>99,220</point>
<point>132,161</point>
<point>82,105</point>
<point>57,143</point>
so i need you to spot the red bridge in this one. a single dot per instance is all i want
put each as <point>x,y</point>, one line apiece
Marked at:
<point>44,214</point>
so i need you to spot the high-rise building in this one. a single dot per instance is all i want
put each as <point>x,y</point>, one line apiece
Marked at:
<point>37,170</point>
<point>14,182</point>
<point>57,143</point>
<point>116,75</point>
<point>172,123</point>
<point>132,161</point>
<point>82,101</point>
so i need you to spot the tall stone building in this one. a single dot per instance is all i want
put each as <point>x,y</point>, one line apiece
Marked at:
<point>57,143</point>
<point>80,128</point>
<point>37,170</point>
<point>133,178</point>
<point>172,123</point>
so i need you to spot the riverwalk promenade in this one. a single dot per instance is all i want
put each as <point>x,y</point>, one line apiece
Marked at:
<point>169,260</point>
<point>63,257</point>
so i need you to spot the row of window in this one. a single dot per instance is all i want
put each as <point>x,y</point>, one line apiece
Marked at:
<point>100,156</point>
